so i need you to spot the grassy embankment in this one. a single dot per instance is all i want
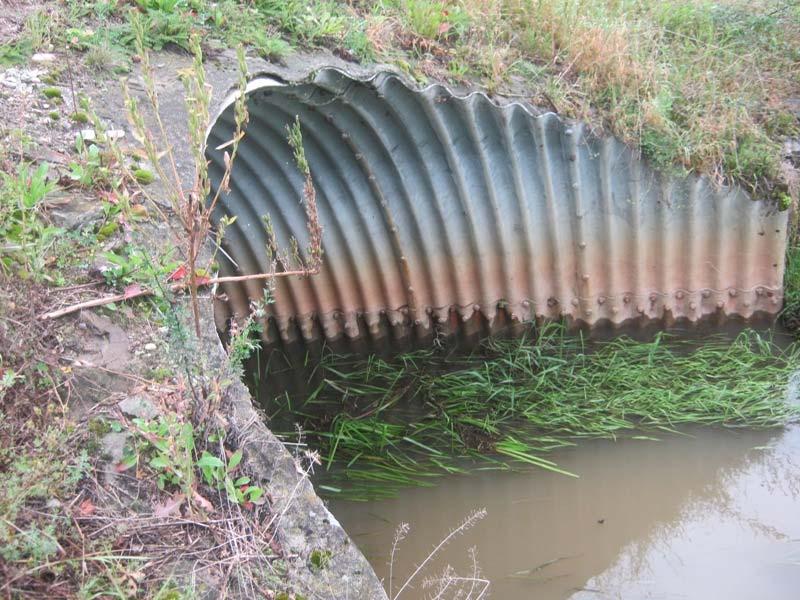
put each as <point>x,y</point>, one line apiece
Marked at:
<point>696,85</point>
<point>381,425</point>
<point>709,87</point>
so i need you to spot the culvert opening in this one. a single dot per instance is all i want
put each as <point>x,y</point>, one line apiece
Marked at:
<point>455,216</point>
<point>447,213</point>
<point>450,218</point>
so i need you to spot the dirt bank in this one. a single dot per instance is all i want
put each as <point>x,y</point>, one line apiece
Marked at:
<point>101,406</point>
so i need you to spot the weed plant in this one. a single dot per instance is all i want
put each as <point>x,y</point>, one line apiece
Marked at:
<point>383,424</point>
<point>193,203</point>
<point>25,236</point>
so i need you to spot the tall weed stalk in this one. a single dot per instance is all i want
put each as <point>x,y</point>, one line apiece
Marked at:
<point>193,202</point>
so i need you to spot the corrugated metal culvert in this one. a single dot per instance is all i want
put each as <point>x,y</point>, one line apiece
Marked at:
<point>444,212</point>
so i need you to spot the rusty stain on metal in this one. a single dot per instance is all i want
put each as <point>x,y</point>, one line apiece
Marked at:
<point>444,212</point>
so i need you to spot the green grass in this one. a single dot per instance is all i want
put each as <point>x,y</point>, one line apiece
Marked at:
<point>694,85</point>
<point>790,314</point>
<point>381,425</point>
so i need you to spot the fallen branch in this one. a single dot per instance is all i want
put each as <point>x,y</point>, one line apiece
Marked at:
<point>177,287</point>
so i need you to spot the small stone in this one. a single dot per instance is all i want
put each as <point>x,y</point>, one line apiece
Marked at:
<point>88,135</point>
<point>20,79</point>
<point>74,212</point>
<point>113,444</point>
<point>43,57</point>
<point>150,346</point>
<point>136,406</point>
<point>115,134</point>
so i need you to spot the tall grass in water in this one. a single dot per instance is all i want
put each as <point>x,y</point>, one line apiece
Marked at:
<point>790,315</point>
<point>381,425</point>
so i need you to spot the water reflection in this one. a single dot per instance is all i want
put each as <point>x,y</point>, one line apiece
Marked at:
<point>714,514</point>
<point>740,541</point>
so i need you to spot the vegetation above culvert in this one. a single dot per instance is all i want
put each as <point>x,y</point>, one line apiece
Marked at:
<point>710,87</point>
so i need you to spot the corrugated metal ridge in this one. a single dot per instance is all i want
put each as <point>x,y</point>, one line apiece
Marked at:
<point>438,206</point>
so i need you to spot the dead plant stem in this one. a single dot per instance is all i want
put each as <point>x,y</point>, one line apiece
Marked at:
<point>177,287</point>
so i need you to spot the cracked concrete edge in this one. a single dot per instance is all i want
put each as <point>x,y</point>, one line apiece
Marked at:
<point>306,524</point>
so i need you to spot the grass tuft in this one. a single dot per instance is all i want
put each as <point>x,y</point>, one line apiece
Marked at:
<point>51,93</point>
<point>143,176</point>
<point>790,315</point>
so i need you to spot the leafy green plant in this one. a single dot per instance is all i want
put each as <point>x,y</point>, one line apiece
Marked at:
<point>165,28</point>
<point>81,38</point>
<point>133,265</point>
<point>8,379</point>
<point>168,445</point>
<point>166,6</point>
<point>25,237</point>
<point>243,342</point>
<point>320,21</point>
<point>15,53</point>
<point>357,41</point>
<point>434,19</point>
<point>269,47</point>
<point>310,22</point>
<point>319,559</point>
<point>93,167</point>
<point>219,474</point>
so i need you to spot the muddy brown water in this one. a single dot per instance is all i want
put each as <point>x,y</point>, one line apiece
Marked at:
<point>712,514</point>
